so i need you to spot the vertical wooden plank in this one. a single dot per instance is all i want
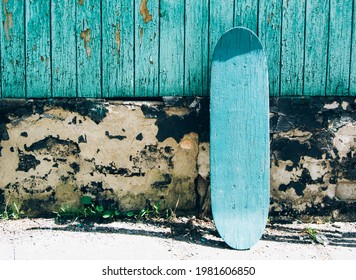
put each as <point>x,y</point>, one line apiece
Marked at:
<point>146,47</point>
<point>88,21</point>
<point>339,47</point>
<point>64,82</point>
<point>196,48</point>
<point>221,19</point>
<point>246,13</point>
<point>118,48</point>
<point>38,56</point>
<point>353,54</point>
<point>12,49</point>
<point>316,44</point>
<point>269,25</point>
<point>293,18</point>
<point>171,75</point>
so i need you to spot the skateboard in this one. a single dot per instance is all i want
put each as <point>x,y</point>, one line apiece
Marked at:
<point>239,138</point>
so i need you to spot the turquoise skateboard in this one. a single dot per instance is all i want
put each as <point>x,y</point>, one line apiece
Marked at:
<point>239,138</point>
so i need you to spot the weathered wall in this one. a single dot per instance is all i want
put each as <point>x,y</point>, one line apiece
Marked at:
<point>54,152</point>
<point>136,48</point>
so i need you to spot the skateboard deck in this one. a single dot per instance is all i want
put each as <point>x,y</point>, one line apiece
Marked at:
<point>239,138</point>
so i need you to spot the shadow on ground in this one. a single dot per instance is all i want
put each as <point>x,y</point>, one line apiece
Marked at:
<point>204,233</point>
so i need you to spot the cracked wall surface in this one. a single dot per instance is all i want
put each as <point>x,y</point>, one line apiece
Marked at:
<point>125,152</point>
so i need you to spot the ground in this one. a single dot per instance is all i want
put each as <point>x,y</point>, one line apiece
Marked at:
<point>182,238</point>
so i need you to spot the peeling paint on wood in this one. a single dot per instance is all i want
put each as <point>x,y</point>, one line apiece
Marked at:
<point>339,47</point>
<point>146,50</point>
<point>64,80</point>
<point>8,21</point>
<point>316,44</point>
<point>246,14</point>
<point>118,48</point>
<point>270,22</point>
<point>12,53</point>
<point>147,17</point>
<point>292,61</point>
<point>171,59</point>
<point>88,25</point>
<point>37,56</point>
<point>38,74</point>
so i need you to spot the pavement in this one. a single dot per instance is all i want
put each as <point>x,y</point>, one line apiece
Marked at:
<point>185,238</point>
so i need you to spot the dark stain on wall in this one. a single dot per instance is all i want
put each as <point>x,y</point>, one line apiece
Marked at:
<point>151,154</point>
<point>3,132</point>
<point>2,200</point>
<point>167,179</point>
<point>75,166</point>
<point>113,170</point>
<point>49,144</point>
<point>26,162</point>
<point>197,120</point>
<point>118,137</point>
<point>24,134</point>
<point>139,137</point>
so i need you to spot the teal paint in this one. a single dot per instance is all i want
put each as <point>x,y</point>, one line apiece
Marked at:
<point>339,47</point>
<point>171,60</point>
<point>146,48</point>
<point>12,57</point>
<point>292,61</point>
<point>239,156</point>
<point>88,32</point>
<point>316,47</point>
<point>221,19</point>
<point>353,55</point>
<point>123,53</point>
<point>246,14</point>
<point>38,53</point>
<point>270,23</point>
<point>196,48</point>
<point>64,80</point>
<point>118,48</point>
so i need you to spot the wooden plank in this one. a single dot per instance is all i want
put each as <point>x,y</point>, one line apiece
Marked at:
<point>38,54</point>
<point>239,139</point>
<point>146,48</point>
<point>171,61</point>
<point>221,19</point>
<point>246,13</point>
<point>88,22</point>
<point>270,22</point>
<point>196,48</point>
<point>118,48</point>
<point>12,49</point>
<point>339,48</point>
<point>293,17</point>
<point>64,82</point>
<point>353,55</point>
<point>316,46</point>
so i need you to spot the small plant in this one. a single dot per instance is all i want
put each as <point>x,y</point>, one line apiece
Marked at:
<point>154,211</point>
<point>312,233</point>
<point>11,212</point>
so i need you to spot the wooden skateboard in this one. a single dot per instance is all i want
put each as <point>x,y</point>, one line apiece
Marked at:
<point>239,138</point>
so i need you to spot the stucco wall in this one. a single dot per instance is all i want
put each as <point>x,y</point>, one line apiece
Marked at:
<point>124,152</point>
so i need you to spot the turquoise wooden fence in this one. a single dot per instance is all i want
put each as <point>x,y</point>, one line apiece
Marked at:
<point>149,48</point>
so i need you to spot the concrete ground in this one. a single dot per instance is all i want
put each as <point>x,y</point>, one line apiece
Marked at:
<point>184,238</point>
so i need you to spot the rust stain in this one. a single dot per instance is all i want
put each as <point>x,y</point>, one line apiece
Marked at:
<point>85,36</point>
<point>118,41</point>
<point>8,21</point>
<point>147,17</point>
<point>141,35</point>
<point>81,2</point>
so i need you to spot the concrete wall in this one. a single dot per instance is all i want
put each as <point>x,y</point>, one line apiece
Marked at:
<point>124,152</point>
